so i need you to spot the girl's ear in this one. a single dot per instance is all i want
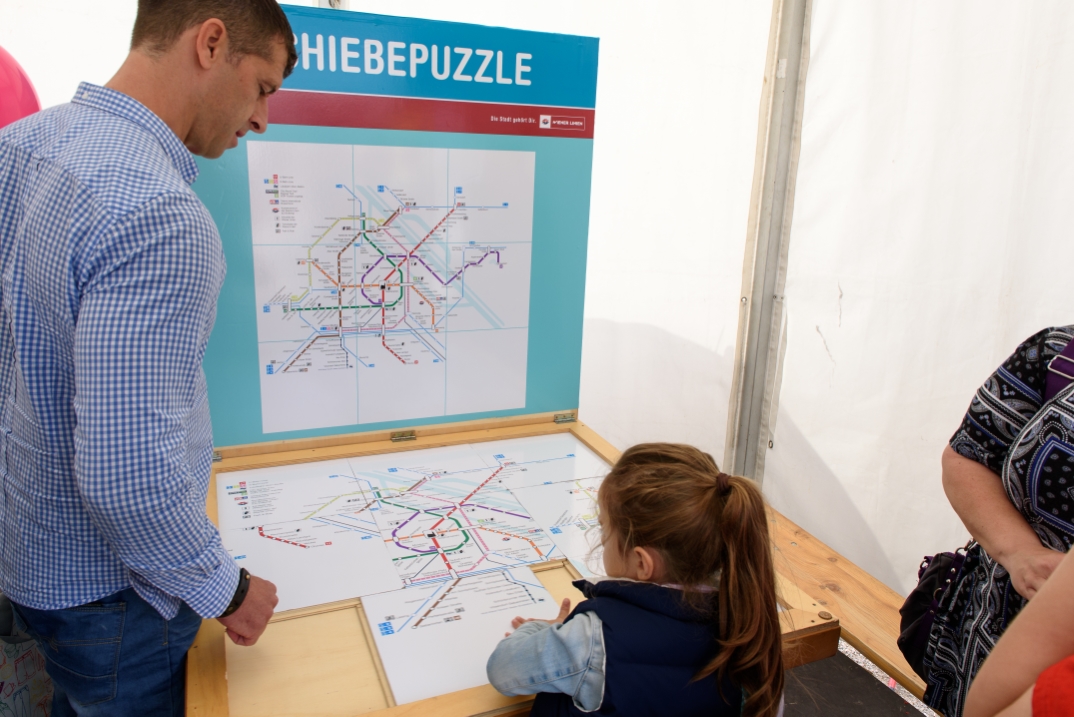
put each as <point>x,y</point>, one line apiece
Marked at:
<point>648,564</point>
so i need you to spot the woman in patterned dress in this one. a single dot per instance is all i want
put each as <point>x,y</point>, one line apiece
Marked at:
<point>1009,474</point>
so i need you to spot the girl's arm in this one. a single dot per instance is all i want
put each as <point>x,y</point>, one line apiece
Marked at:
<point>977,495</point>
<point>1041,635</point>
<point>539,656</point>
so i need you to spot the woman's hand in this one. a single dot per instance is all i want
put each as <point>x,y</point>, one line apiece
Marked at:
<point>1030,568</point>
<point>977,495</point>
<point>564,611</point>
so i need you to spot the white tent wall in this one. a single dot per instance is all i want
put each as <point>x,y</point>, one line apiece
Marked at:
<point>677,105</point>
<point>931,224</point>
<point>59,44</point>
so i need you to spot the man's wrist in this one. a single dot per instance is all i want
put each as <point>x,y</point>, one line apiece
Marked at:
<point>240,593</point>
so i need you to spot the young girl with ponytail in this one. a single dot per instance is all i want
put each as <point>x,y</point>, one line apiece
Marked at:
<point>685,623</point>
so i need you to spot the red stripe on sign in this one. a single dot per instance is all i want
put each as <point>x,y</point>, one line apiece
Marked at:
<point>325,109</point>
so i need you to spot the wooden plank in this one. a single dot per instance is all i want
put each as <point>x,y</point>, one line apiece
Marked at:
<point>349,439</point>
<point>382,676</point>
<point>483,701</point>
<point>557,581</point>
<point>318,666</point>
<point>206,673</point>
<point>814,577</point>
<point>300,612</point>
<point>807,637</point>
<point>598,445</point>
<point>369,448</point>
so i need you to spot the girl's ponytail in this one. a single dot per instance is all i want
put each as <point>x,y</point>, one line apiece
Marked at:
<point>673,498</point>
<point>748,622</point>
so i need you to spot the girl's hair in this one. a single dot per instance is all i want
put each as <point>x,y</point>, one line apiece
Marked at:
<point>674,499</point>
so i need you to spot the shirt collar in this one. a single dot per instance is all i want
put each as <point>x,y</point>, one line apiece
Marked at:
<point>673,586</point>
<point>134,111</point>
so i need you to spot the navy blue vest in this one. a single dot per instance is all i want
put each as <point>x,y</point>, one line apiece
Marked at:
<point>654,645</point>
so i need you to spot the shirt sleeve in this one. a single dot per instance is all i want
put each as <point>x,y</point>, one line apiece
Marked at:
<point>567,658</point>
<point>1053,692</point>
<point>142,440</point>
<point>1005,403</point>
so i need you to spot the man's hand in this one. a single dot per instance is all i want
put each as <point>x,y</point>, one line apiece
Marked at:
<point>1029,569</point>
<point>247,623</point>
<point>564,611</point>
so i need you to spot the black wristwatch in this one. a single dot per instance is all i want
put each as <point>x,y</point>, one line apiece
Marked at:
<point>240,593</point>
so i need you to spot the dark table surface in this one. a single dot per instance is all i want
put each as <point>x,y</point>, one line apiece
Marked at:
<point>835,687</point>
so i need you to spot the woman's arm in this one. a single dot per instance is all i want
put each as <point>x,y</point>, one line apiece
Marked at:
<point>1021,707</point>
<point>977,495</point>
<point>1041,635</point>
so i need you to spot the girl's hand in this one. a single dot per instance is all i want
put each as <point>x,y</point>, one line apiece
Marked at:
<point>564,611</point>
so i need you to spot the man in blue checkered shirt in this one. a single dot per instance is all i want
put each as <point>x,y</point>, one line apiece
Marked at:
<point>110,269</point>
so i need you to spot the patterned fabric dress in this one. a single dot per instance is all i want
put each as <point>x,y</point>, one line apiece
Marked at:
<point>1032,450</point>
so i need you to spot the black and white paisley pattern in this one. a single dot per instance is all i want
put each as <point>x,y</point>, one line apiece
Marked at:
<point>1032,450</point>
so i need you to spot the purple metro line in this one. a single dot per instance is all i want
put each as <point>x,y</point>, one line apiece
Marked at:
<point>390,280</point>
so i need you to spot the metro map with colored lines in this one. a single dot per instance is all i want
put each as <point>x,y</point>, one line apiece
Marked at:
<point>346,528</point>
<point>437,542</point>
<point>454,524</point>
<point>392,283</point>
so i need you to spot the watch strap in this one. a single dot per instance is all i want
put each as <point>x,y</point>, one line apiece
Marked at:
<point>240,593</point>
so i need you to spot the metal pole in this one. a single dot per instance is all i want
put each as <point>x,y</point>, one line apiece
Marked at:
<point>758,352</point>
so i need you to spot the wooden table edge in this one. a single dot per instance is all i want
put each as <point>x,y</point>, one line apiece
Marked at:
<point>206,687</point>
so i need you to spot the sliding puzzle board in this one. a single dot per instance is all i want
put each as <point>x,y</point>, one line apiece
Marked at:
<point>437,543</point>
<point>367,289</point>
<point>404,246</point>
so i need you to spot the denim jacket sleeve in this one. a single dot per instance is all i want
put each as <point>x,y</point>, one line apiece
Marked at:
<point>539,657</point>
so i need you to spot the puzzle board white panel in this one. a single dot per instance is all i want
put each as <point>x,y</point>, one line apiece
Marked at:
<point>436,638</point>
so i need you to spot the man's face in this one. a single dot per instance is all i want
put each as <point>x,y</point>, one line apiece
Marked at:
<point>236,102</point>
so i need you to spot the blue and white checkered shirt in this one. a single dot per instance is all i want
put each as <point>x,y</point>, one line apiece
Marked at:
<point>111,268</point>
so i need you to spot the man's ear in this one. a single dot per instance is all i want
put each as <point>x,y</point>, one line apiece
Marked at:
<point>211,43</point>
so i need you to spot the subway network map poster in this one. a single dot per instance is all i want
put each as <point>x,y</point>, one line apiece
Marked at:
<point>406,243</point>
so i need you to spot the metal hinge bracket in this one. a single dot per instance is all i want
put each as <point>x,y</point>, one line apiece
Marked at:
<point>399,436</point>
<point>217,457</point>
<point>564,418</point>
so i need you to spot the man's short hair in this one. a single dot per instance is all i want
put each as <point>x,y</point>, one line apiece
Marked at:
<point>252,25</point>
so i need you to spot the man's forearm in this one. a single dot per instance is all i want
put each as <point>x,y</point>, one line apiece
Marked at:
<point>176,551</point>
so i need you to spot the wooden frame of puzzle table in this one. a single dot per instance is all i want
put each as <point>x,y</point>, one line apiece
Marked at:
<point>322,662</point>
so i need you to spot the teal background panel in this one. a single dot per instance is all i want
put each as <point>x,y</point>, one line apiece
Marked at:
<point>562,175</point>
